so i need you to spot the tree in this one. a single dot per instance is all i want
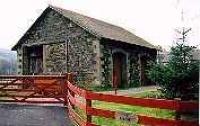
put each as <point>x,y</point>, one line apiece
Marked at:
<point>179,77</point>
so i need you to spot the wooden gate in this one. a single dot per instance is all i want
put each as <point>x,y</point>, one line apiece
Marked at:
<point>32,88</point>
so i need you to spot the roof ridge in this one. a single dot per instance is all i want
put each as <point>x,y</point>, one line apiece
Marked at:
<point>60,10</point>
<point>89,18</point>
<point>89,21</point>
<point>98,28</point>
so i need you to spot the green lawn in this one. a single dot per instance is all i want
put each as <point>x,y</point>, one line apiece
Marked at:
<point>148,94</point>
<point>160,113</point>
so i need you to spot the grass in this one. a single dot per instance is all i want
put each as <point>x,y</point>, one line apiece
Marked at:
<point>90,86</point>
<point>100,88</point>
<point>153,112</point>
<point>149,94</point>
<point>161,113</point>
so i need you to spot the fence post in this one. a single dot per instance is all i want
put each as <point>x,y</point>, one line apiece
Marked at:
<point>88,117</point>
<point>64,89</point>
<point>177,112</point>
<point>177,115</point>
<point>70,78</point>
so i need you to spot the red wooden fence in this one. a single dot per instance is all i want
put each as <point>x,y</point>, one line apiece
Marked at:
<point>74,94</point>
<point>62,89</point>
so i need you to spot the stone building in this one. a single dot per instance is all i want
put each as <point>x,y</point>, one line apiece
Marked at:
<point>62,41</point>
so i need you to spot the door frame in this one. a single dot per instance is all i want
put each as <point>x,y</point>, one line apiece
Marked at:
<point>119,50</point>
<point>37,56</point>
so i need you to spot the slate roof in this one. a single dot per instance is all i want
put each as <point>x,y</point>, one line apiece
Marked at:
<point>102,29</point>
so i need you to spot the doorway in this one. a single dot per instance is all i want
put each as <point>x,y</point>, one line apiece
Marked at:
<point>119,79</point>
<point>35,60</point>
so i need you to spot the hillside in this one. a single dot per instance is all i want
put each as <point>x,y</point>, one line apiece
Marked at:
<point>7,61</point>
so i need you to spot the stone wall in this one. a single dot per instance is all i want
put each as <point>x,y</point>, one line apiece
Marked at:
<point>83,58</point>
<point>25,62</point>
<point>132,53</point>
<point>69,48</point>
<point>55,59</point>
<point>19,60</point>
<point>64,42</point>
<point>106,65</point>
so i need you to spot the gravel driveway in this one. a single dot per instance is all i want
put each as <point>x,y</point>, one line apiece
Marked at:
<point>30,115</point>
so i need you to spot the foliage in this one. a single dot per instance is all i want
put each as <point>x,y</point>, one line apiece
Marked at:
<point>100,88</point>
<point>106,74</point>
<point>134,72</point>
<point>178,78</point>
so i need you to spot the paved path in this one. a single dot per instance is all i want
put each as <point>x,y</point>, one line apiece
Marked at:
<point>31,115</point>
<point>132,91</point>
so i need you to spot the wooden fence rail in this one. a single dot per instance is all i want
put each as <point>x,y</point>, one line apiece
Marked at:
<point>62,89</point>
<point>75,93</point>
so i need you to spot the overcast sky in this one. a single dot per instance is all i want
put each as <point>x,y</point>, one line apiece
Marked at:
<point>153,20</point>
